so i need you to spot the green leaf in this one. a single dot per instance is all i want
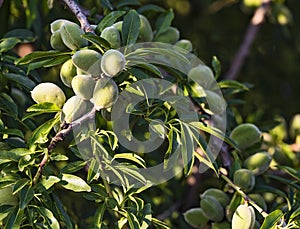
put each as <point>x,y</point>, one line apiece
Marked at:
<point>43,107</point>
<point>93,171</point>
<point>147,216</point>
<point>7,104</point>
<point>107,4</point>
<point>74,183</point>
<point>149,67</point>
<point>20,184</point>
<point>160,224</point>
<point>15,132</point>
<point>295,214</point>
<point>26,195</point>
<point>24,81</point>
<point>40,55</point>
<point>232,84</point>
<point>130,28</point>
<point>98,41</point>
<point>73,167</point>
<point>131,157</point>
<point>187,148</point>
<point>8,44</point>
<point>98,219</point>
<point>109,20</point>
<point>217,66</point>
<point>152,8</point>
<point>49,62</point>
<point>14,154</point>
<point>40,134</point>
<point>124,3</point>
<point>50,220</point>
<point>24,162</point>
<point>163,22</point>
<point>24,35</point>
<point>132,221</point>
<point>272,219</point>
<point>14,219</point>
<point>64,217</point>
<point>49,181</point>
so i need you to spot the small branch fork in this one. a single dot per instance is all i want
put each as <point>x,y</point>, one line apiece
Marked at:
<point>66,129</point>
<point>253,28</point>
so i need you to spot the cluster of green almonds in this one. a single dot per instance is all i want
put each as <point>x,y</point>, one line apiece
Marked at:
<point>212,208</point>
<point>88,73</point>
<point>246,135</point>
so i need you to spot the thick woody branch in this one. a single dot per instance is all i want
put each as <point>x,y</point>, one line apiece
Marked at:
<point>74,7</point>
<point>60,136</point>
<point>252,30</point>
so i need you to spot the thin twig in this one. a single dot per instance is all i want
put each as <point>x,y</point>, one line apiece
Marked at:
<point>85,25</point>
<point>252,30</point>
<point>60,136</point>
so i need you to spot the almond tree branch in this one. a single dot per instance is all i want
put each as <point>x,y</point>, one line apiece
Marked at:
<point>253,28</point>
<point>60,136</point>
<point>74,7</point>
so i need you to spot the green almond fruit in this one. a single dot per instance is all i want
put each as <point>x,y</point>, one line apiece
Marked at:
<point>75,108</point>
<point>218,195</point>
<point>105,94</point>
<point>246,135</point>
<point>6,196</point>
<point>83,86</point>
<point>212,208</point>
<point>88,61</point>
<point>56,41</point>
<point>112,35</point>
<point>185,44</point>
<point>118,25</point>
<point>113,62</point>
<point>71,35</point>
<point>243,218</point>
<point>195,217</point>
<point>216,103</point>
<point>171,35</point>
<point>202,75</point>
<point>48,92</point>
<point>258,163</point>
<point>55,25</point>
<point>244,179</point>
<point>146,33</point>
<point>67,72</point>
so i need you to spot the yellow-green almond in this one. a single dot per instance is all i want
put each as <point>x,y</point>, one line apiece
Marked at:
<point>71,35</point>
<point>67,72</point>
<point>258,163</point>
<point>185,44</point>
<point>112,35</point>
<point>113,62</point>
<point>48,92</point>
<point>171,35</point>
<point>202,75</point>
<point>245,135</point>
<point>75,108</point>
<point>55,25</point>
<point>56,41</point>
<point>243,218</point>
<point>118,25</point>
<point>105,93</point>
<point>88,61</point>
<point>83,86</point>
<point>146,33</point>
<point>245,179</point>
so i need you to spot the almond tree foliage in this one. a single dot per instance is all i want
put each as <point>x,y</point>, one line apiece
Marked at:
<point>46,181</point>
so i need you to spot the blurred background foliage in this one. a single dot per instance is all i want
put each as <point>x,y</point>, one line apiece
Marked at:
<point>216,28</point>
